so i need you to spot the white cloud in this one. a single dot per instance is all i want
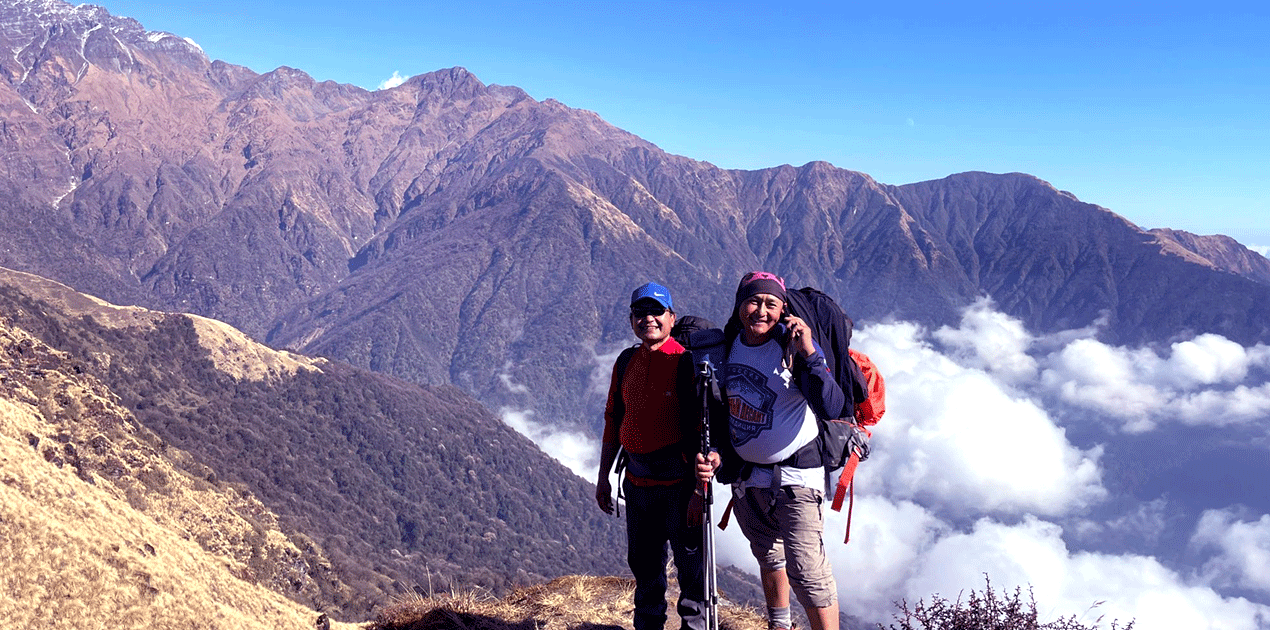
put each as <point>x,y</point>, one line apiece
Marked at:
<point>509,381</point>
<point>1206,360</point>
<point>578,451</point>
<point>990,341</point>
<point>954,436</point>
<point>730,544</point>
<point>1243,550</point>
<point>1145,523</point>
<point>602,373</point>
<point>1240,405</point>
<point>1032,553</point>
<point>1200,382</point>
<point>901,550</point>
<point>1264,250</point>
<point>967,432</point>
<point>888,540</point>
<point>1096,376</point>
<point>391,82</point>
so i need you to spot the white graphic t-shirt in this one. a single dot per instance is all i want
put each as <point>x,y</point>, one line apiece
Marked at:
<point>769,416</point>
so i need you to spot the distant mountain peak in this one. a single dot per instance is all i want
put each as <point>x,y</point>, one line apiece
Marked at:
<point>57,11</point>
<point>51,42</point>
<point>455,83</point>
<point>26,18</point>
<point>1217,250</point>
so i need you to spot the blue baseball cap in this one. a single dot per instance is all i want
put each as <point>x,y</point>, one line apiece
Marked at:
<point>655,292</point>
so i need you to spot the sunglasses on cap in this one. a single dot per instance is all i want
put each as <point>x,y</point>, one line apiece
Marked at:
<point>656,310</point>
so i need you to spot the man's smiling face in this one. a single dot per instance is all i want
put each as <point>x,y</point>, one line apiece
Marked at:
<point>651,322</point>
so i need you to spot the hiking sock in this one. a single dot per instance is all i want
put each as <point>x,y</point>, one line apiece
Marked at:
<point>779,617</point>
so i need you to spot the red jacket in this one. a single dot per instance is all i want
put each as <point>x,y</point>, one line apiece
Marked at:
<point>652,402</point>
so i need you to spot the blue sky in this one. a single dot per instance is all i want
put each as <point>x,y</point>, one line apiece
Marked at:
<point>1157,110</point>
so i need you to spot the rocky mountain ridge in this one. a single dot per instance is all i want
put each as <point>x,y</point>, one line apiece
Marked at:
<point>451,232</point>
<point>1221,252</point>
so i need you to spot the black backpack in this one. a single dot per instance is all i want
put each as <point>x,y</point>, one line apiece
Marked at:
<point>842,442</point>
<point>831,328</point>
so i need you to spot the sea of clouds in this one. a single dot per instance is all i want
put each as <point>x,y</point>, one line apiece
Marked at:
<point>973,473</point>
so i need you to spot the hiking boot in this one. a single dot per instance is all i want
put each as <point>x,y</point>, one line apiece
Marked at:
<point>774,625</point>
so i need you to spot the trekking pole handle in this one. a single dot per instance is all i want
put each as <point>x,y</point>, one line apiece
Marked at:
<point>708,383</point>
<point>709,378</point>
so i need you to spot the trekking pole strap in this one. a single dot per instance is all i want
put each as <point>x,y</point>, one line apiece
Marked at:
<point>619,468</point>
<point>850,508</point>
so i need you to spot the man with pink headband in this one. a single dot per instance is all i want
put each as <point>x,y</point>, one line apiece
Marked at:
<point>777,382</point>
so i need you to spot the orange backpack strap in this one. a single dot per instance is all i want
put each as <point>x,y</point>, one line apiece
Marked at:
<point>727,514</point>
<point>846,486</point>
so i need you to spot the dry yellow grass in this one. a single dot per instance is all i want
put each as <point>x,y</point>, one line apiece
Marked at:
<point>100,530</point>
<point>567,603</point>
<point>78,304</point>
<point>73,555</point>
<point>231,351</point>
<point>236,354</point>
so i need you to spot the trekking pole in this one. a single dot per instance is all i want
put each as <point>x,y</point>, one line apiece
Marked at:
<point>708,387</point>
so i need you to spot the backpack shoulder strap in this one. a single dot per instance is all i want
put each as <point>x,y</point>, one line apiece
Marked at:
<point>846,485</point>
<point>689,417</point>
<point>623,360</point>
<point>619,373</point>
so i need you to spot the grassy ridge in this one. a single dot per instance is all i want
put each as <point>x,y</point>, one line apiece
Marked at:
<point>98,530</point>
<point>384,489</point>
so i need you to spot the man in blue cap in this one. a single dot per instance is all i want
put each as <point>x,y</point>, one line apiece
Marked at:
<point>651,417</point>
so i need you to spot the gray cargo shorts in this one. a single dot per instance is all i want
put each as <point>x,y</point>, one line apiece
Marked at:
<point>787,534</point>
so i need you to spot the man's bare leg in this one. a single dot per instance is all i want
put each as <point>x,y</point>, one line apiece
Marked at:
<point>824,618</point>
